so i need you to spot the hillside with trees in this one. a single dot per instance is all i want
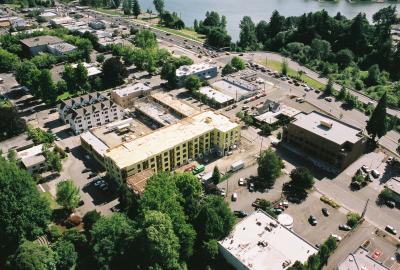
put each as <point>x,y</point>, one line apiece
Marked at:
<point>354,52</point>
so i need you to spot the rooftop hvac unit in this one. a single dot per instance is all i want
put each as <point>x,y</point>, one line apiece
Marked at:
<point>326,124</point>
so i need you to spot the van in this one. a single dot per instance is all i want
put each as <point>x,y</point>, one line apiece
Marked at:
<point>234,197</point>
<point>198,169</point>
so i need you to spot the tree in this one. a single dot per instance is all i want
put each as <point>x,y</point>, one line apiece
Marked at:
<point>11,123</point>
<point>8,61</point>
<point>89,219</point>
<point>33,256</point>
<point>159,6</point>
<point>69,78</point>
<point>216,176</point>
<point>113,72</point>
<point>377,123</point>
<point>269,167</point>
<point>27,74</point>
<point>352,219</point>
<point>191,192</point>
<point>218,37</point>
<point>228,69</point>
<point>160,243</point>
<point>328,90</point>
<point>168,72</point>
<point>128,201</point>
<point>24,213</point>
<point>238,63</point>
<point>111,236</point>
<point>248,36</point>
<point>12,155</point>
<point>47,89</point>
<point>146,39</point>
<point>215,219</point>
<point>67,195</point>
<point>136,8</point>
<point>284,67</point>
<point>53,161</point>
<point>266,129</point>
<point>373,75</point>
<point>193,83</point>
<point>344,58</point>
<point>301,179</point>
<point>342,93</point>
<point>81,75</point>
<point>127,7</point>
<point>66,256</point>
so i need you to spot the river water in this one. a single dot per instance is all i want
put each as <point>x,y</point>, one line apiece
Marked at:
<point>258,10</point>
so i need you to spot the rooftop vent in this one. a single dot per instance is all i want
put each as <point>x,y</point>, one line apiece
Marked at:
<point>326,124</point>
<point>208,120</point>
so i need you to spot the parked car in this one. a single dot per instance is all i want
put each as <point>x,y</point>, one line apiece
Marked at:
<point>375,173</point>
<point>365,168</point>
<point>222,192</point>
<point>337,237</point>
<point>86,170</point>
<point>81,202</point>
<point>329,99</point>
<point>313,221</point>
<point>240,214</point>
<point>325,212</point>
<point>241,182</point>
<point>234,197</point>
<point>390,204</point>
<point>390,229</point>
<point>92,174</point>
<point>251,187</point>
<point>344,227</point>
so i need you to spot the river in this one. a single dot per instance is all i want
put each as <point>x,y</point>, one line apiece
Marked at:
<point>258,10</point>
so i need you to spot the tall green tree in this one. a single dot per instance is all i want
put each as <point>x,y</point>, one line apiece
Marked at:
<point>284,67</point>
<point>114,72</point>
<point>89,219</point>
<point>269,167</point>
<point>136,8</point>
<point>66,255</point>
<point>328,90</point>
<point>248,36</point>
<point>81,76</point>
<point>377,123</point>
<point>193,83</point>
<point>238,63</point>
<point>127,7</point>
<point>24,213</point>
<point>301,179</point>
<point>215,219</point>
<point>160,243</point>
<point>47,88</point>
<point>111,237</point>
<point>159,6</point>
<point>33,256</point>
<point>216,176</point>
<point>191,192</point>
<point>68,195</point>
<point>146,39</point>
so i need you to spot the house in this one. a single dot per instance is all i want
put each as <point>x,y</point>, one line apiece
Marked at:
<point>87,111</point>
<point>32,159</point>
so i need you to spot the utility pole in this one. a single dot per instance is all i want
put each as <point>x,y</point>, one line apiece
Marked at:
<point>365,209</point>
<point>262,139</point>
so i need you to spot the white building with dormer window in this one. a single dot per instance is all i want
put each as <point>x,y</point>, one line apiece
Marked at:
<point>88,111</point>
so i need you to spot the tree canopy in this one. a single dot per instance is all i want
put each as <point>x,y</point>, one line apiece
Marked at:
<point>68,195</point>
<point>377,123</point>
<point>269,167</point>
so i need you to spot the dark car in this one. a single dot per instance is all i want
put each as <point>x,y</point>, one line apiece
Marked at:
<point>81,202</point>
<point>312,220</point>
<point>92,174</point>
<point>86,170</point>
<point>325,212</point>
<point>390,204</point>
<point>240,214</point>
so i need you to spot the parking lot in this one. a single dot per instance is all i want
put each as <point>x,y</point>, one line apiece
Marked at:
<point>326,225</point>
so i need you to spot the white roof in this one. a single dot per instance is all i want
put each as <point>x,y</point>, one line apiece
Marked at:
<point>137,87</point>
<point>394,184</point>
<point>339,132</point>
<point>260,249</point>
<point>92,70</point>
<point>270,117</point>
<point>30,152</point>
<point>33,160</point>
<point>193,69</point>
<point>63,47</point>
<point>214,94</point>
<point>360,260</point>
<point>48,14</point>
<point>95,142</point>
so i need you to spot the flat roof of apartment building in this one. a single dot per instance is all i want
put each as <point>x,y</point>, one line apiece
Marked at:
<point>127,90</point>
<point>40,40</point>
<point>328,127</point>
<point>174,103</point>
<point>211,93</point>
<point>260,243</point>
<point>132,152</point>
<point>192,69</point>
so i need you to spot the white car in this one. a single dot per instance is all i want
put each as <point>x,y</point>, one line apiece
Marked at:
<point>375,173</point>
<point>222,192</point>
<point>365,168</point>
<point>337,237</point>
<point>241,181</point>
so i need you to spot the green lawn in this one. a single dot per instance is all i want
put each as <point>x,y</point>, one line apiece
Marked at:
<point>277,66</point>
<point>112,12</point>
<point>50,199</point>
<point>64,95</point>
<point>187,33</point>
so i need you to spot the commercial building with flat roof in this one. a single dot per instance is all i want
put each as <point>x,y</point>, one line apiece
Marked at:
<point>125,96</point>
<point>35,45</point>
<point>202,70</point>
<point>220,98</point>
<point>173,146</point>
<point>327,139</point>
<point>360,260</point>
<point>259,242</point>
<point>173,104</point>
